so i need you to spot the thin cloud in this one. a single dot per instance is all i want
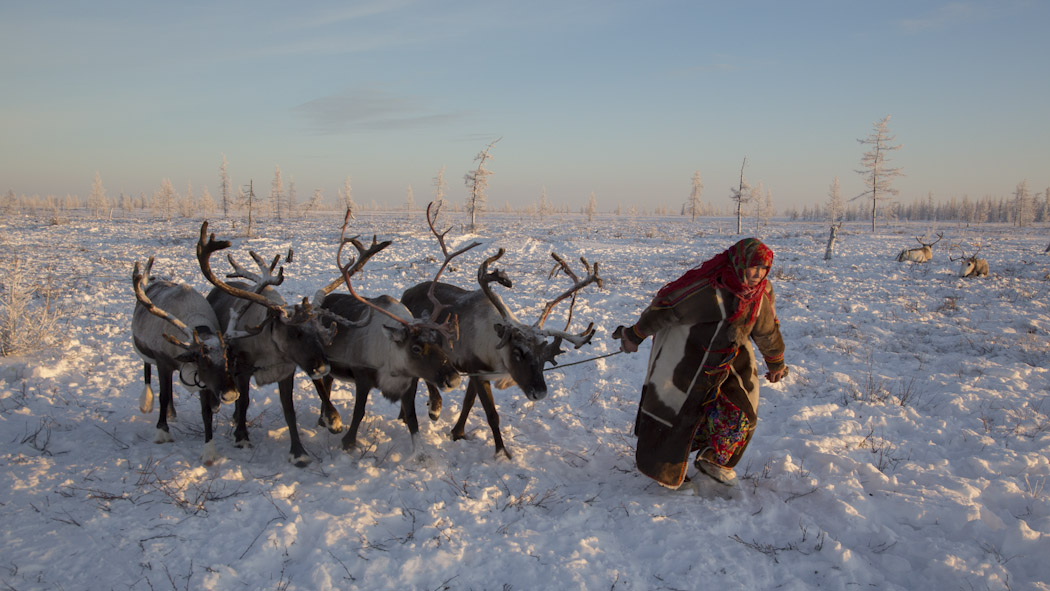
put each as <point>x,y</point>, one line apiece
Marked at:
<point>373,110</point>
<point>944,17</point>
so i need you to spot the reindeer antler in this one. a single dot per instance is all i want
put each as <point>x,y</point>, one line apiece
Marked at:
<point>204,252</point>
<point>345,271</point>
<point>363,254</point>
<point>437,306</point>
<point>578,284</point>
<point>138,280</point>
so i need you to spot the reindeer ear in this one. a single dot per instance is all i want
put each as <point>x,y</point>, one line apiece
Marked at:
<point>398,334</point>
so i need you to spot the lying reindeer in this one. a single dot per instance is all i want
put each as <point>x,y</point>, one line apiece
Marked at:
<point>971,265</point>
<point>919,255</point>
<point>379,345</point>
<point>198,354</point>
<point>493,344</point>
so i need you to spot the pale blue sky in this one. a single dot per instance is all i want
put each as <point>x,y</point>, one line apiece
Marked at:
<point>625,99</point>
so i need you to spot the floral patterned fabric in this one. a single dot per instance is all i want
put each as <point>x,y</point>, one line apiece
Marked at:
<point>724,429</point>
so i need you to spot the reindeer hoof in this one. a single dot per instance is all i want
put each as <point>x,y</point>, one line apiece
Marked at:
<point>333,424</point>
<point>434,408</point>
<point>162,436</point>
<point>300,461</point>
<point>502,453</point>
<point>242,443</point>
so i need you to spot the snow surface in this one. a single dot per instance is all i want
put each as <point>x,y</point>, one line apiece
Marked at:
<point>908,449</point>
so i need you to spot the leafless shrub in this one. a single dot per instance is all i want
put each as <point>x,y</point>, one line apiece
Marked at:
<point>29,312</point>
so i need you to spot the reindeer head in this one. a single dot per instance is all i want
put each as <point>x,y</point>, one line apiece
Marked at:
<point>295,331</point>
<point>419,341</point>
<point>203,357</point>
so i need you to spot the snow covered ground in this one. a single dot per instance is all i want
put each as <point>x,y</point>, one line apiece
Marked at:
<point>908,449</point>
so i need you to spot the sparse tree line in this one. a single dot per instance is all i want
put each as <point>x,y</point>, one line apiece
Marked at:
<point>1023,208</point>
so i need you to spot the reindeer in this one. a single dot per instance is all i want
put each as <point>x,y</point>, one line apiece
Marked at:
<point>971,265</point>
<point>385,347</point>
<point>919,255</point>
<point>493,344</point>
<point>279,337</point>
<point>199,354</point>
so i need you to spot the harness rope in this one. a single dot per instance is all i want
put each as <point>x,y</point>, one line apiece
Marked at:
<point>482,374</point>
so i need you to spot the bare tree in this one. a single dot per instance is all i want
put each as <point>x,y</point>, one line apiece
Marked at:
<point>877,173</point>
<point>206,204</point>
<point>440,188</point>
<point>315,202</point>
<point>836,207</point>
<point>346,193</point>
<point>97,200</point>
<point>224,186</point>
<point>477,181</point>
<point>545,206</point>
<point>164,200</point>
<point>592,207</point>
<point>1023,204</point>
<point>276,193</point>
<point>290,204</point>
<point>694,205</point>
<point>741,195</point>
<point>410,199</point>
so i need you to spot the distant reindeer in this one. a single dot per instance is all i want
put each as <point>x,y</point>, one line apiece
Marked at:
<point>198,351</point>
<point>919,255</point>
<point>493,344</point>
<point>279,337</point>
<point>971,265</point>
<point>380,345</point>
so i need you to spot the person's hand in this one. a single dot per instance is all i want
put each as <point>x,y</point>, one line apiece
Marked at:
<point>776,376</point>
<point>626,345</point>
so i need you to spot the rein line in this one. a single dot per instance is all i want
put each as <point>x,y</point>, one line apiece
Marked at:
<point>483,374</point>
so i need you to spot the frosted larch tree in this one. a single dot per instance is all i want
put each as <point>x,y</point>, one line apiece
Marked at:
<point>97,199</point>
<point>878,174</point>
<point>836,207</point>
<point>276,193</point>
<point>741,195</point>
<point>346,193</point>
<point>545,206</point>
<point>1023,205</point>
<point>410,199</point>
<point>164,200</point>
<point>477,181</point>
<point>694,205</point>
<point>440,188</point>
<point>592,207</point>
<point>314,203</point>
<point>224,187</point>
<point>206,205</point>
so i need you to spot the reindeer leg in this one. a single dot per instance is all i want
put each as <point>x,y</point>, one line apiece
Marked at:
<point>362,386</point>
<point>408,411</point>
<point>298,455</point>
<point>468,403</point>
<point>329,418</point>
<point>146,401</point>
<point>489,404</point>
<point>164,374</point>
<point>434,403</point>
<point>209,454</point>
<point>240,410</point>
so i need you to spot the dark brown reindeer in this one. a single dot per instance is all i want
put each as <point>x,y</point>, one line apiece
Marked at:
<point>493,344</point>
<point>279,337</point>
<point>922,254</point>
<point>384,347</point>
<point>971,265</point>
<point>198,352</point>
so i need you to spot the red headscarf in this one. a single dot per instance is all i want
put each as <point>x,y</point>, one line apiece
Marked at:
<point>726,271</point>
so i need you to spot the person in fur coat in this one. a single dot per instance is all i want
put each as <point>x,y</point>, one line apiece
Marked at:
<point>701,388</point>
